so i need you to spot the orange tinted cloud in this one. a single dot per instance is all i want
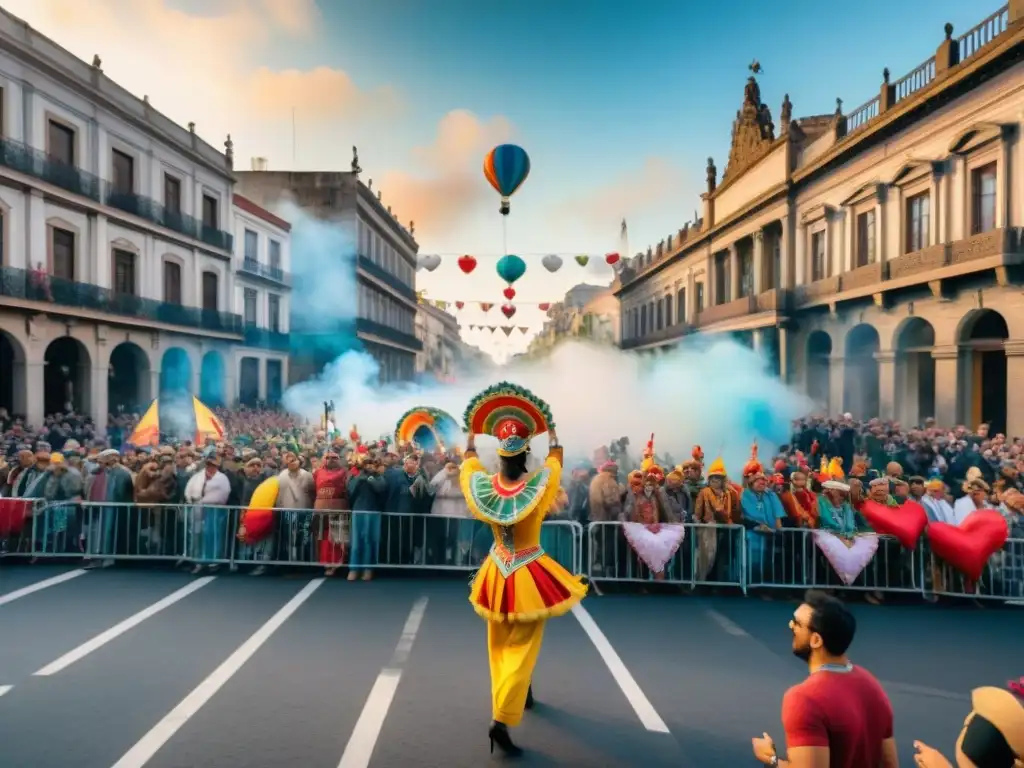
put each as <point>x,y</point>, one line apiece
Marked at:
<point>651,184</point>
<point>317,93</point>
<point>451,184</point>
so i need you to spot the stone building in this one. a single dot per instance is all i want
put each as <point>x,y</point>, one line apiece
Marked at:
<point>873,254</point>
<point>385,266</point>
<point>116,279</point>
<point>438,331</point>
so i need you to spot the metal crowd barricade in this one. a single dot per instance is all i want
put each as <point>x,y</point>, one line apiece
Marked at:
<point>1001,579</point>
<point>208,535</point>
<point>710,555</point>
<point>16,516</point>
<point>788,558</point>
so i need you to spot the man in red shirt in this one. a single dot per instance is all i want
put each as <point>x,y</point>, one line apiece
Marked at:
<point>839,717</point>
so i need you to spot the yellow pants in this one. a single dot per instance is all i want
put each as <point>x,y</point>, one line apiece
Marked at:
<point>512,650</point>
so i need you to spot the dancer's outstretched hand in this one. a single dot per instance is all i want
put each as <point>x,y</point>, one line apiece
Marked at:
<point>471,442</point>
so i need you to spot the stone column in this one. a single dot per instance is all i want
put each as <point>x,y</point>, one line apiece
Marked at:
<point>946,378</point>
<point>784,354</point>
<point>759,262</point>
<point>935,220</point>
<point>1003,182</point>
<point>836,384</point>
<point>785,276</point>
<point>34,389</point>
<point>263,379</point>
<point>37,250</point>
<point>800,256</point>
<point>1014,391</point>
<point>691,298</point>
<point>757,337</point>
<point>99,398</point>
<point>886,384</point>
<point>734,274</point>
<point>710,289</point>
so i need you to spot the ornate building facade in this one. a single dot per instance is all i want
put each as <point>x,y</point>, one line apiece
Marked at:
<point>874,255</point>
<point>116,279</point>
<point>587,312</point>
<point>438,332</point>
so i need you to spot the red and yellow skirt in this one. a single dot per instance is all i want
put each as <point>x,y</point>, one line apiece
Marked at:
<point>537,590</point>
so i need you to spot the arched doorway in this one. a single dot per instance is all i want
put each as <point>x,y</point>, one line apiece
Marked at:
<point>915,371</point>
<point>175,373</point>
<point>66,376</point>
<point>12,375</point>
<point>211,379</point>
<point>819,374</point>
<point>983,369</point>
<point>249,381</point>
<point>860,382</point>
<point>128,381</point>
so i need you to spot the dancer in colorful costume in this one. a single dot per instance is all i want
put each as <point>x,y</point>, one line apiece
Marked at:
<point>518,587</point>
<point>651,527</point>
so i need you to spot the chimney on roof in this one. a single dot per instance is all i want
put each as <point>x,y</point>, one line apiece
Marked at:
<point>259,163</point>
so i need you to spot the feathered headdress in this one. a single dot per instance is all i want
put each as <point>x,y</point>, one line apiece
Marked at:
<point>648,460</point>
<point>698,454</point>
<point>831,475</point>
<point>753,467</point>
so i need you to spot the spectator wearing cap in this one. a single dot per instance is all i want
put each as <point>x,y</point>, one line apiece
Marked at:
<point>208,491</point>
<point>63,494</point>
<point>977,494</point>
<point>154,488</point>
<point>110,492</point>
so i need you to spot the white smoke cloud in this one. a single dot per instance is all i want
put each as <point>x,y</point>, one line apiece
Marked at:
<point>715,393</point>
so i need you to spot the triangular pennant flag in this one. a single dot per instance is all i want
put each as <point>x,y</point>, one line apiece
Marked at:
<point>441,304</point>
<point>523,329</point>
<point>492,328</point>
<point>472,327</point>
<point>508,329</point>
<point>485,307</point>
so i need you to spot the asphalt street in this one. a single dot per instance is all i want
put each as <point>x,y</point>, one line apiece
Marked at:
<point>125,668</point>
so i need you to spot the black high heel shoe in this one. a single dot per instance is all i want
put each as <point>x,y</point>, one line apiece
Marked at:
<point>529,697</point>
<point>498,734</point>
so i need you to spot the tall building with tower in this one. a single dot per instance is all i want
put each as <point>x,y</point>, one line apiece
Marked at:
<point>384,264</point>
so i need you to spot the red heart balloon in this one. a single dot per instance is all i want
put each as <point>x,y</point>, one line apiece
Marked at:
<point>508,310</point>
<point>467,263</point>
<point>544,307</point>
<point>905,523</point>
<point>611,258</point>
<point>510,293</point>
<point>460,304</point>
<point>968,546</point>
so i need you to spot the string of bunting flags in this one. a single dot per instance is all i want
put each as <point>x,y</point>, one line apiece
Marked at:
<point>507,309</point>
<point>506,329</point>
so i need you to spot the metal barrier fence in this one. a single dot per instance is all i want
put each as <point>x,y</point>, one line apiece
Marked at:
<point>722,556</point>
<point>207,535</point>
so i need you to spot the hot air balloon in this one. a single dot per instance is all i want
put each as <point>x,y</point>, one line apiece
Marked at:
<point>511,268</point>
<point>506,168</point>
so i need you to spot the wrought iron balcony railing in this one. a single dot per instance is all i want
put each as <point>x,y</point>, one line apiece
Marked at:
<point>32,162</point>
<point>264,338</point>
<point>23,284</point>
<point>388,333</point>
<point>149,209</point>
<point>386,277</point>
<point>254,267</point>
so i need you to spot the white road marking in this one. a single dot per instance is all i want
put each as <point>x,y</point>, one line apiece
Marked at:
<point>728,625</point>
<point>364,737</point>
<point>649,717</point>
<point>6,689</point>
<point>10,597</point>
<point>161,733</point>
<point>119,629</point>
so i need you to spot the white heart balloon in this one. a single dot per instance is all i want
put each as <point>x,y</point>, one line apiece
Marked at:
<point>428,261</point>
<point>551,262</point>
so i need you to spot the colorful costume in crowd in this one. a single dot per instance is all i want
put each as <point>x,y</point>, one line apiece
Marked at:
<point>331,484</point>
<point>518,587</point>
<point>762,515</point>
<point>717,503</point>
<point>843,538</point>
<point>651,528</point>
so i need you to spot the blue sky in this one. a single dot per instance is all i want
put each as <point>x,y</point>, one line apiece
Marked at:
<point>618,104</point>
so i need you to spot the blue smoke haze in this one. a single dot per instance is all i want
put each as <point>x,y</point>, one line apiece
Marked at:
<point>715,393</point>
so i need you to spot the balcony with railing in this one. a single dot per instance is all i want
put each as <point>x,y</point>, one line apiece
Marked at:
<point>386,277</point>
<point>254,268</point>
<point>32,162</point>
<point>386,332</point>
<point>149,209</point>
<point>27,285</point>
<point>668,333</point>
<point>264,338</point>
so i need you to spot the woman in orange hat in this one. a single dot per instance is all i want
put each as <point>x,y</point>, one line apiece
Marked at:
<point>518,587</point>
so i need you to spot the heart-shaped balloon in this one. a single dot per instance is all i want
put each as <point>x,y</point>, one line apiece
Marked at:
<point>509,293</point>
<point>428,261</point>
<point>847,558</point>
<point>508,310</point>
<point>510,268</point>
<point>552,263</point>
<point>467,263</point>
<point>611,258</point>
<point>968,546</point>
<point>486,306</point>
<point>654,549</point>
<point>544,306</point>
<point>583,260</point>
<point>905,523</point>
<point>460,304</point>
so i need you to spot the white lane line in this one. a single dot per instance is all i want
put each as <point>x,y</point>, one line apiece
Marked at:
<point>727,625</point>
<point>364,736</point>
<point>10,597</point>
<point>6,689</point>
<point>649,717</point>
<point>161,733</point>
<point>115,631</point>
